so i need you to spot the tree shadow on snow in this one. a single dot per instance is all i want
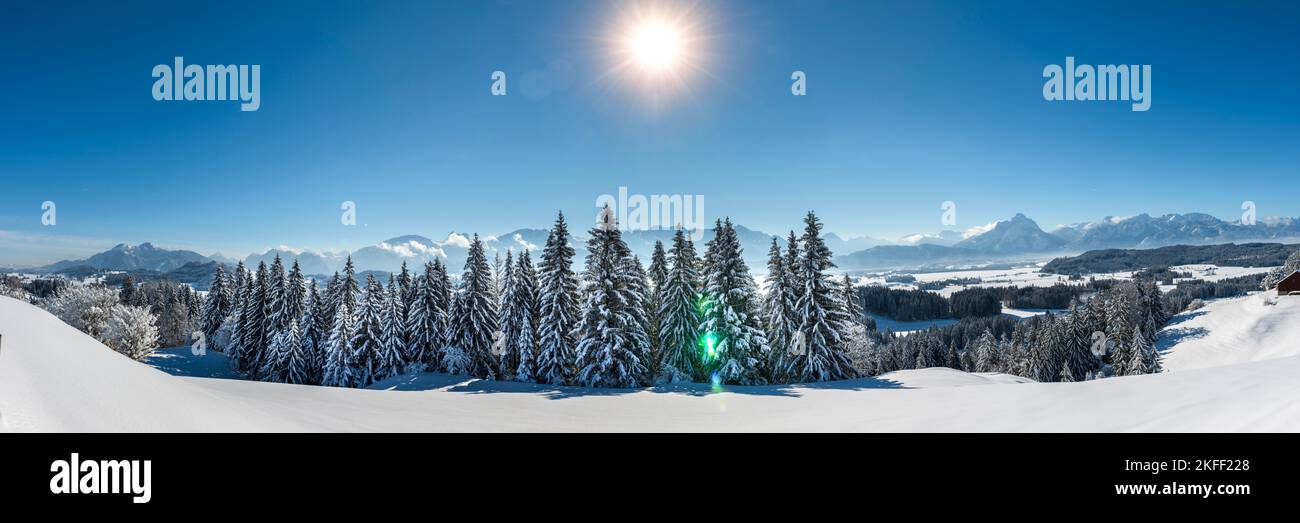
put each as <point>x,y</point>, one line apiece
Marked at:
<point>1184,317</point>
<point>1170,337</point>
<point>469,385</point>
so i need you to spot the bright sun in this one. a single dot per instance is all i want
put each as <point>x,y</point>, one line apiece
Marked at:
<point>656,46</point>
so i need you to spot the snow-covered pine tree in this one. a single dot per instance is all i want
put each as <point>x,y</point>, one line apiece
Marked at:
<point>275,364</point>
<point>1151,313</point>
<point>986,357</point>
<point>420,330</point>
<point>778,306</point>
<point>335,369</point>
<point>275,297</point>
<point>1119,312</point>
<point>706,261</point>
<point>1067,374</point>
<point>286,307</point>
<point>679,315</point>
<point>821,310</point>
<point>474,313</point>
<point>558,308</point>
<point>735,347</point>
<point>390,359</point>
<point>442,292</point>
<point>505,361</point>
<point>1077,344</point>
<point>638,292</point>
<point>292,304</point>
<point>1143,358</point>
<point>852,306</point>
<point>525,307</point>
<point>253,329</point>
<point>796,283</point>
<point>368,336</point>
<point>498,277</point>
<point>1154,366</point>
<point>320,315</point>
<point>239,279</point>
<point>427,320</point>
<point>406,288</point>
<point>612,344</point>
<point>951,358</point>
<point>298,371</point>
<point>217,306</point>
<point>508,362</point>
<point>300,367</point>
<point>658,274</point>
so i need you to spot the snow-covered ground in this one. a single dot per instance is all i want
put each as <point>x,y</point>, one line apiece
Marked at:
<point>1231,331</point>
<point>54,378</point>
<point>1029,276</point>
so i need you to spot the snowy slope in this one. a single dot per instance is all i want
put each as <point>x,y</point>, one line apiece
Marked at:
<point>53,378</point>
<point>1233,330</point>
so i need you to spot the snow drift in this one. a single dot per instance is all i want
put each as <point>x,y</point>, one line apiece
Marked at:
<point>54,378</point>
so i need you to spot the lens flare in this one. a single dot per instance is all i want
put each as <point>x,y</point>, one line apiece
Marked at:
<point>709,342</point>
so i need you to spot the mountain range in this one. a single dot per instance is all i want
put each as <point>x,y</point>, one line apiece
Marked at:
<point>1021,237</point>
<point>1016,238</point>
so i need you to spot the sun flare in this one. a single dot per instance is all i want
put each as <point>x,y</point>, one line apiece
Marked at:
<point>659,46</point>
<point>655,45</point>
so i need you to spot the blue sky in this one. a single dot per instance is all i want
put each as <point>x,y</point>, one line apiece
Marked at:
<point>387,104</point>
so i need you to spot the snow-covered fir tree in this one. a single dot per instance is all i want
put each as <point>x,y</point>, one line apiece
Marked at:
<point>779,308</point>
<point>253,328</point>
<point>275,364</point>
<point>519,319</point>
<point>1077,346</point>
<point>735,345</point>
<point>276,294</point>
<point>852,306</point>
<point>336,371</point>
<point>505,363</point>
<point>612,343</point>
<point>287,306</point>
<point>1067,374</point>
<point>292,298</point>
<point>390,356</point>
<point>217,305</point>
<point>658,274</point>
<point>406,289</point>
<point>952,359</point>
<point>1143,358</point>
<point>557,308</point>
<point>301,368</point>
<point>474,313</point>
<point>427,319</point>
<point>821,312</point>
<point>238,280</point>
<point>638,296</point>
<point>421,332</point>
<point>679,315</point>
<point>367,339</point>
